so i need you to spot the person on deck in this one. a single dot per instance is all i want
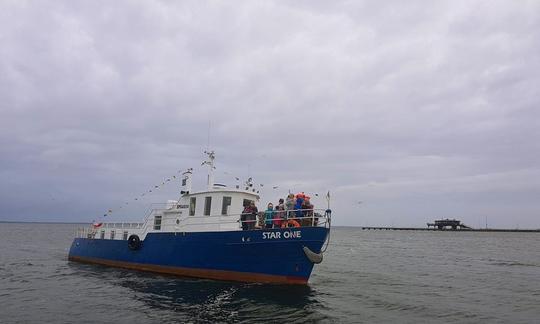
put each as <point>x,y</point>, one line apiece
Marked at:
<point>289,205</point>
<point>279,215</point>
<point>244,217</point>
<point>269,216</point>
<point>253,216</point>
<point>298,207</point>
<point>308,212</point>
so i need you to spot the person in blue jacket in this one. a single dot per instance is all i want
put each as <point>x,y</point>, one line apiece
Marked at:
<point>298,206</point>
<point>269,216</point>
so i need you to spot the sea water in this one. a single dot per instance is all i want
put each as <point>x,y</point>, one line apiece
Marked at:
<point>366,277</point>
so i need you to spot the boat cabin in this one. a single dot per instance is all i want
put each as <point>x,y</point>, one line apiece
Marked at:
<point>218,208</point>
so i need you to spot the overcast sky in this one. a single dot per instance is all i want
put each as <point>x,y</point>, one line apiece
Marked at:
<point>407,111</point>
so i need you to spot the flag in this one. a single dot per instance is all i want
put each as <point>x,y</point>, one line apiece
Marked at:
<point>96,225</point>
<point>328,195</point>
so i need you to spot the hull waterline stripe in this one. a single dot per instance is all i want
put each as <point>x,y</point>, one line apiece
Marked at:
<point>196,272</point>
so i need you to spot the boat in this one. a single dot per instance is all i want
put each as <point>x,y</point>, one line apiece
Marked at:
<point>203,234</point>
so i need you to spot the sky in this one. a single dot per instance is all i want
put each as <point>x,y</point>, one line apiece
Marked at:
<point>406,111</point>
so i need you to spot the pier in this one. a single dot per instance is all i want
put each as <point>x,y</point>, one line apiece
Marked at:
<point>382,228</point>
<point>451,225</point>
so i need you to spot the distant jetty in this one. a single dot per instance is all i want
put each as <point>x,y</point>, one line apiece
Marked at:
<point>450,225</point>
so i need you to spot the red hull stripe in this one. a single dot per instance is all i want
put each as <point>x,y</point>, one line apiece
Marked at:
<point>196,272</point>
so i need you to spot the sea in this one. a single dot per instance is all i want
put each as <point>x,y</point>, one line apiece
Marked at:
<point>366,277</point>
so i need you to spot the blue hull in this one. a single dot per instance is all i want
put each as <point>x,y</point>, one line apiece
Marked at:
<point>274,255</point>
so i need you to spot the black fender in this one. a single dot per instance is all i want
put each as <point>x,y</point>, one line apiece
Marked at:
<point>134,242</point>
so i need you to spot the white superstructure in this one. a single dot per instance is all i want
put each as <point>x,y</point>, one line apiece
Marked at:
<point>218,208</point>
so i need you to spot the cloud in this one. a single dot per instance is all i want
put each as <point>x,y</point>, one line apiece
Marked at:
<point>418,110</point>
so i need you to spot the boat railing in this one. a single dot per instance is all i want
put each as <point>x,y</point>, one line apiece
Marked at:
<point>86,232</point>
<point>311,217</point>
<point>123,225</point>
<point>296,217</point>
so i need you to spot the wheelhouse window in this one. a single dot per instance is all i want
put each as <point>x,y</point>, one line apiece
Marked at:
<point>112,235</point>
<point>125,235</point>
<point>157,223</point>
<point>225,205</point>
<point>192,204</point>
<point>207,205</point>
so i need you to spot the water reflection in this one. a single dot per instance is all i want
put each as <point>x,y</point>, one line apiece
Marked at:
<point>190,299</point>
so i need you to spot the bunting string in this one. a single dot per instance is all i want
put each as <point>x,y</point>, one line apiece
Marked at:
<point>248,185</point>
<point>143,194</point>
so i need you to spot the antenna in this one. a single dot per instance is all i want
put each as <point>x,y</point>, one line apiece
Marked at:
<point>208,142</point>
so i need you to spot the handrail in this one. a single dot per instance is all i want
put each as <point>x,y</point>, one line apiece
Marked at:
<point>316,218</point>
<point>319,223</point>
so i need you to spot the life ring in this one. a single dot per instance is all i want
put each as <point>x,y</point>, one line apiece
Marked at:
<point>291,223</point>
<point>134,242</point>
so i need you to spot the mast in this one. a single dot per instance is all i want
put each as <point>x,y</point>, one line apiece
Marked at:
<point>211,167</point>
